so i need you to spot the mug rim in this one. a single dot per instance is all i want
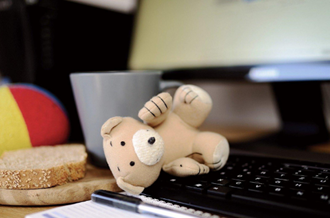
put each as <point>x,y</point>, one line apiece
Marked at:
<point>124,72</point>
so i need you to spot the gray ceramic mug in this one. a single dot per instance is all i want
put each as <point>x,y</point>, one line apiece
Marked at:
<point>102,95</point>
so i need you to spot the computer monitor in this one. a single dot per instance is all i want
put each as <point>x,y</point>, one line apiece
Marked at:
<point>283,42</point>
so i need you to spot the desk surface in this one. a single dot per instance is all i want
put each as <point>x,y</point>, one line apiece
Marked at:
<point>232,134</point>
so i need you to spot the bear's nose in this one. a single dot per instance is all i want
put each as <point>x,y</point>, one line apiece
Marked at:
<point>151,140</point>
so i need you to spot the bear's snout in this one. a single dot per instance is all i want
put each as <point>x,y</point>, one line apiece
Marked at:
<point>151,140</point>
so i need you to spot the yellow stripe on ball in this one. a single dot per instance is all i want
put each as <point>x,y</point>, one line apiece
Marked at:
<point>13,130</point>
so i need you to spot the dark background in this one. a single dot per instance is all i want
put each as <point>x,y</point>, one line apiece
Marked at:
<point>43,43</point>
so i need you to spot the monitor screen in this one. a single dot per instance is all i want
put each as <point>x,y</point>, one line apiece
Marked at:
<point>185,34</point>
<point>255,40</point>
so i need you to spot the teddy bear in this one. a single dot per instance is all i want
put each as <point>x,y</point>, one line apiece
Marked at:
<point>168,139</point>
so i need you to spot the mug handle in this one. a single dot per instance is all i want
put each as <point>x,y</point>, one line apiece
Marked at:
<point>163,85</point>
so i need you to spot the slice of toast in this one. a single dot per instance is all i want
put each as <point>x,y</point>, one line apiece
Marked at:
<point>42,167</point>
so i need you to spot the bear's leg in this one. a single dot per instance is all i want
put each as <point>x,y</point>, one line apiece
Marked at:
<point>185,167</point>
<point>192,104</point>
<point>213,148</point>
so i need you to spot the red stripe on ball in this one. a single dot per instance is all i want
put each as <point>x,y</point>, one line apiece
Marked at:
<point>46,121</point>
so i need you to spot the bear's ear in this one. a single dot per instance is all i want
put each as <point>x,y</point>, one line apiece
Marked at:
<point>109,124</point>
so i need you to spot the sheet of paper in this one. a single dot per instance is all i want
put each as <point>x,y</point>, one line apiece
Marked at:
<point>90,209</point>
<point>86,209</point>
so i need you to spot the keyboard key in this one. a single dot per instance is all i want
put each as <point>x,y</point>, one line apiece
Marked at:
<point>247,171</point>
<point>301,179</point>
<point>304,173</point>
<point>263,167</point>
<point>258,179</point>
<point>266,164</point>
<point>323,182</point>
<point>220,181</point>
<point>282,176</point>
<point>274,190</point>
<point>307,168</point>
<point>224,174</point>
<point>300,186</point>
<point>241,177</point>
<point>292,166</point>
<point>257,187</point>
<point>197,186</point>
<point>278,182</point>
<point>299,194</point>
<point>219,191</point>
<point>322,176</point>
<point>202,178</point>
<point>237,184</point>
<point>321,197</point>
<point>285,170</point>
<point>172,182</point>
<point>263,173</point>
<point>320,189</point>
<point>229,167</point>
<point>325,171</point>
<point>244,165</point>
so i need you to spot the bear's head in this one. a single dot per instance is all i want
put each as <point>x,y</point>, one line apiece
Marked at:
<point>134,152</point>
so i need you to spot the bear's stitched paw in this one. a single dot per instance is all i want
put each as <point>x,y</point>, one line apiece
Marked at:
<point>216,166</point>
<point>157,106</point>
<point>220,155</point>
<point>191,93</point>
<point>188,95</point>
<point>203,169</point>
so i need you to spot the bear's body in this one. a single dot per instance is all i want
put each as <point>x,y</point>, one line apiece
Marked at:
<point>169,140</point>
<point>180,133</point>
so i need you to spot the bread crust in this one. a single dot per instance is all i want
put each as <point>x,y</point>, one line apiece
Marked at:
<point>45,177</point>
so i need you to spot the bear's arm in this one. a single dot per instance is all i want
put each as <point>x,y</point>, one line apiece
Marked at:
<point>185,166</point>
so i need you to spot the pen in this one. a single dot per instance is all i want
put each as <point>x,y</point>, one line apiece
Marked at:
<point>134,204</point>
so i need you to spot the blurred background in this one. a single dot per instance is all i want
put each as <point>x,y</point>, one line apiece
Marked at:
<point>43,41</point>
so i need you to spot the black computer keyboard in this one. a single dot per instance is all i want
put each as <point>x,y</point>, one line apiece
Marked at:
<point>250,186</point>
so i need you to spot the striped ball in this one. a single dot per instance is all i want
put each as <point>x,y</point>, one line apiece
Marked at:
<point>30,117</point>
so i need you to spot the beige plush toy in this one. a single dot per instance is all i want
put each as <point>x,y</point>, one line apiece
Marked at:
<point>168,139</point>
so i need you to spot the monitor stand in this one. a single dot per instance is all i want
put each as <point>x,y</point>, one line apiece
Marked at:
<point>300,107</point>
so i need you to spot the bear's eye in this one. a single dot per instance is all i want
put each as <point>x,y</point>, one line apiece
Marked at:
<point>132,163</point>
<point>151,140</point>
<point>111,143</point>
<point>122,143</point>
<point>118,169</point>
